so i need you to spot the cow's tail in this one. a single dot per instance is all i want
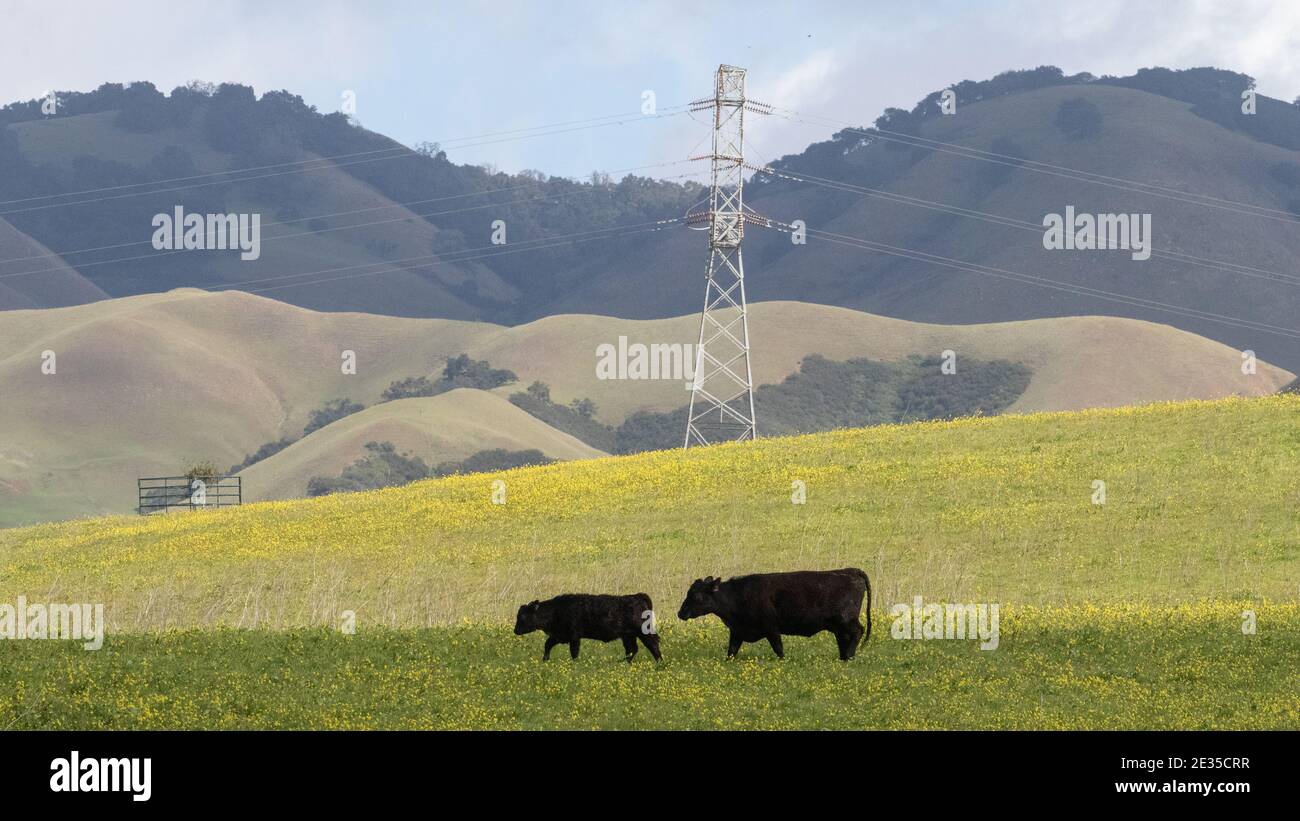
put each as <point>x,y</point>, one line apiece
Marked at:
<point>866,636</point>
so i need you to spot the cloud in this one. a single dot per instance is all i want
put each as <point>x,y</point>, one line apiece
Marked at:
<point>436,71</point>
<point>78,47</point>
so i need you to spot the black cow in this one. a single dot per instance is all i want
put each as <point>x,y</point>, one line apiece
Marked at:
<point>570,618</point>
<point>770,605</point>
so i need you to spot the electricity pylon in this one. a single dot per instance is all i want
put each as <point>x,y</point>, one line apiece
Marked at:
<point>722,394</point>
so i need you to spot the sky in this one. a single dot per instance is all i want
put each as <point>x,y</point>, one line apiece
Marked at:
<point>446,72</point>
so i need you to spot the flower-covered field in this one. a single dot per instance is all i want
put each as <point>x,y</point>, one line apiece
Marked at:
<point>1077,667</point>
<point>1144,533</point>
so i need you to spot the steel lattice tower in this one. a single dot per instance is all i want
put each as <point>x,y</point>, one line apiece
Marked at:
<point>722,395</point>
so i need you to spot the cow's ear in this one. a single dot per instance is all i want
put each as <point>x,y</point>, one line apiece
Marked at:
<point>714,584</point>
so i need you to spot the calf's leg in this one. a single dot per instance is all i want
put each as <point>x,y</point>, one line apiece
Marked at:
<point>629,648</point>
<point>651,642</point>
<point>574,644</point>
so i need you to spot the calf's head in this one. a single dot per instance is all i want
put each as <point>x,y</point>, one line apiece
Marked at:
<point>700,599</point>
<point>529,618</point>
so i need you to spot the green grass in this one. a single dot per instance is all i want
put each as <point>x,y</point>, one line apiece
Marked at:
<point>1201,502</point>
<point>1126,614</point>
<point>1181,668</point>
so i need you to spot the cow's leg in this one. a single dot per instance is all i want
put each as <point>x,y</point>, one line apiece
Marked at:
<point>733,645</point>
<point>651,642</point>
<point>855,636</point>
<point>574,645</point>
<point>775,640</point>
<point>845,639</point>
<point>551,641</point>
<point>629,648</point>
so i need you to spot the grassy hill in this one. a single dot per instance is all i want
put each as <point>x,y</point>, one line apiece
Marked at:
<point>1200,503</point>
<point>295,241</point>
<point>57,286</point>
<point>146,383</point>
<point>1127,614</point>
<point>222,150</point>
<point>447,427</point>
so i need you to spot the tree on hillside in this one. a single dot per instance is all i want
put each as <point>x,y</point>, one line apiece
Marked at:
<point>202,469</point>
<point>333,411</point>
<point>144,109</point>
<point>493,460</point>
<point>1078,119</point>
<point>463,372</point>
<point>232,124</point>
<point>459,372</point>
<point>382,466</point>
<point>540,391</point>
<point>578,418</point>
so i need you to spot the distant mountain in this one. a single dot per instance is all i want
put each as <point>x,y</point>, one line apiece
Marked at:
<point>91,179</point>
<point>1184,131</point>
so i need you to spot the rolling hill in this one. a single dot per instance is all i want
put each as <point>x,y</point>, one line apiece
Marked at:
<point>296,240</point>
<point>145,384</point>
<point>450,427</point>
<point>57,286</point>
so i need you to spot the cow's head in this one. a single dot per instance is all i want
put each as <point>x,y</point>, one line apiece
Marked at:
<point>700,598</point>
<point>529,618</point>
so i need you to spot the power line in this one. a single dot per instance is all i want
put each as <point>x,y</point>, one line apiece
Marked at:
<point>531,185</point>
<point>1030,279</point>
<point>1012,222</point>
<point>1036,166</point>
<point>401,265</point>
<point>324,164</point>
<point>543,200</point>
<point>323,159</point>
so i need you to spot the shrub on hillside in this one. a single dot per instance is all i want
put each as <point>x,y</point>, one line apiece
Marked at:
<point>382,466</point>
<point>459,372</point>
<point>825,395</point>
<point>265,451</point>
<point>202,469</point>
<point>495,459</point>
<point>977,389</point>
<point>333,411</point>
<point>576,419</point>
